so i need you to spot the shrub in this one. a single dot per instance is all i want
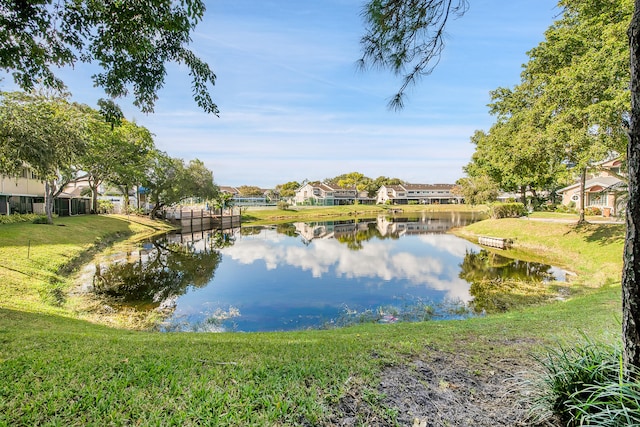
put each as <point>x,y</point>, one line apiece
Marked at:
<point>566,208</point>
<point>40,219</point>
<point>105,206</point>
<point>282,205</point>
<point>592,211</point>
<point>507,210</point>
<point>17,218</point>
<point>585,386</point>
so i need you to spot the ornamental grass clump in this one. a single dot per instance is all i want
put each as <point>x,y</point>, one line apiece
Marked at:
<point>585,385</point>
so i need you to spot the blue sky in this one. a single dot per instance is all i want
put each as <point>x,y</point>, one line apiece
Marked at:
<point>294,105</point>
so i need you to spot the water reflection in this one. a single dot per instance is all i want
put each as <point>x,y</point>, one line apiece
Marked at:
<point>310,275</point>
<point>161,270</point>
<point>499,283</point>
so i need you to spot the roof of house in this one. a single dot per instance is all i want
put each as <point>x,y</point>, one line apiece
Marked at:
<point>227,189</point>
<point>74,193</point>
<point>603,181</point>
<point>413,187</point>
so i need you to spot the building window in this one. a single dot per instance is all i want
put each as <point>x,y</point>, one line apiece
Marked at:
<point>575,197</point>
<point>597,199</point>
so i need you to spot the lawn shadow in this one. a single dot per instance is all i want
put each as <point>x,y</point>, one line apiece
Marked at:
<point>603,234</point>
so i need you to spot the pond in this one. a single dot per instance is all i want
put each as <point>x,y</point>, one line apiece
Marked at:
<point>315,275</point>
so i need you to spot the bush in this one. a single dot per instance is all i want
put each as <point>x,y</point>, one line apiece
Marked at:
<point>105,206</point>
<point>585,386</point>
<point>566,208</point>
<point>507,210</point>
<point>592,211</point>
<point>40,219</point>
<point>282,205</point>
<point>17,218</point>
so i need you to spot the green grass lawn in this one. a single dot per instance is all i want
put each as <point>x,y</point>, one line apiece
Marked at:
<point>255,216</point>
<point>58,369</point>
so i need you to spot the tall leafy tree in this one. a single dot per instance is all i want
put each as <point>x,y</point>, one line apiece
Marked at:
<point>517,153</point>
<point>131,147</point>
<point>162,180</point>
<point>198,181</point>
<point>132,41</point>
<point>476,190</point>
<point>168,181</point>
<point>587,51</point>
<point>374,185</point>
<point>288,189</point>
<point>45,132</point>
<point>355,180</point>
<point>95,160</point>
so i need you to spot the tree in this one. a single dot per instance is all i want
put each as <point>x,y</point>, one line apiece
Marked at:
<point>168,181</point>
<point>132,41</point>
<point>403,33</point>
<point>541,126</point>
<point>287,189</point>
<point>373,186</point>
<point>162,180</point>
<point>223,201</point>
<point>130,147</point>
<point>198,181</point>
<point>476,190</point>
<point>45,132</point>
<point>587,51</point>
<point>96,159</point>
<point>355,180</point>
<point>631,269</point>
<point>116,150</point>
<point>516,153</point>
<point>407,37</point>
<point>250,191</point>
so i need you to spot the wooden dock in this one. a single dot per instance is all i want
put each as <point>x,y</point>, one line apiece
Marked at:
<point>189,220</point>
<point>494,242</point>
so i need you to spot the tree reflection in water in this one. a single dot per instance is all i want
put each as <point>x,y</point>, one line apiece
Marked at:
<point>499,283</point>
<point>163,270</point>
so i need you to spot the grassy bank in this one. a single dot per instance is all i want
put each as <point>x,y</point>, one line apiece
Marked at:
<point>58,370</point>
<point>592,251</point>
<point>36,260</point>
<point>255,216</point>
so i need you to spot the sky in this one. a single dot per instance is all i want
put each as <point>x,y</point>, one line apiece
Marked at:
<point>294,105</point>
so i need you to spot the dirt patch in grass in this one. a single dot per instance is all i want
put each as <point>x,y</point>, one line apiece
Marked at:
<point>443,389</point>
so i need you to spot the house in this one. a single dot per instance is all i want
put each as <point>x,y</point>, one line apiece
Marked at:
<point>72,202</point>
<point>24,194</point>
<point>21,194</point>
<point>327,194</point>
<point>601,189</point>
<point>600,192</point>
<point>404,194</point>
<point>229,190</point>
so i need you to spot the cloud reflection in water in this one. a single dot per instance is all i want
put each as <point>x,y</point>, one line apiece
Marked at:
<point>387,260</point>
